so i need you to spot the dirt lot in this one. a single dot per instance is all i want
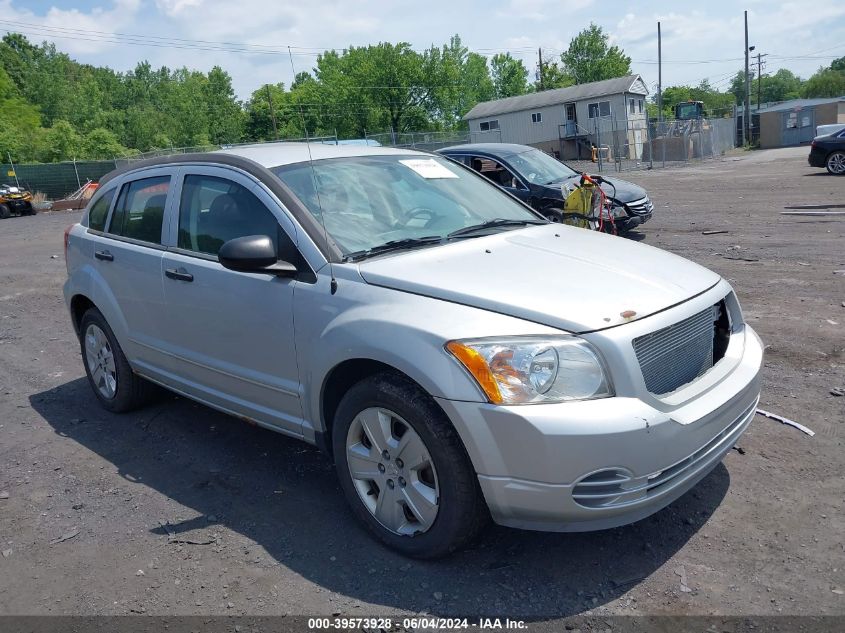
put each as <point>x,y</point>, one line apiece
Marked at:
<point>259,525</point>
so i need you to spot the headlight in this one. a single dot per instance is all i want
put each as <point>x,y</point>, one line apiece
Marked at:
<point>522,370</point>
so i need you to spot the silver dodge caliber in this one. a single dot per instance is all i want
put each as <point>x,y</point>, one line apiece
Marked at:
<point>458,357</point>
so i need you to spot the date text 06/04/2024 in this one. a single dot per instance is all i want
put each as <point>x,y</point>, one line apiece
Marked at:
<point>414,623</point>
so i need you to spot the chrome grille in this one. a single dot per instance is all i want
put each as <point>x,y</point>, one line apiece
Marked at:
<point>642,206</point>
<point>678,354</point>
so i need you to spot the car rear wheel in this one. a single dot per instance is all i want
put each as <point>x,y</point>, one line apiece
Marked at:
<point>114,383</point>
<point>403,468</point>
<point>5,212</point>
<point>836,163</point>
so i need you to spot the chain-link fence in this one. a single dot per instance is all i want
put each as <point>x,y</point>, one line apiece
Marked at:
<point>624,145</point>
<point>426,141</point>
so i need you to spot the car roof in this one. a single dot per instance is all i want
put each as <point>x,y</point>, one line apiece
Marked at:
<point>277,154</point>
<point>494,149</point>
<point>260,156</point>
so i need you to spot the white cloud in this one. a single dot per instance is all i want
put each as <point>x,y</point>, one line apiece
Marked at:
<point>175,7</point>
<point>94,26</point>
<point>542,10</point>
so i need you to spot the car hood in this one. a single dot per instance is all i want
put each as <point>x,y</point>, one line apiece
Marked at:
<point>625,191</point>
<point>578,282</point>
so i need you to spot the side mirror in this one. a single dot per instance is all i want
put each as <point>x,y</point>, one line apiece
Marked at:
<point>254,254</point>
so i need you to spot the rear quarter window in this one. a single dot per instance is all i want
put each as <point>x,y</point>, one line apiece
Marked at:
<point>99,211</point>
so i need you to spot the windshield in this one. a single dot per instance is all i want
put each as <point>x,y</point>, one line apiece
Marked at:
<point>367,201</point>
<point>540,168</point>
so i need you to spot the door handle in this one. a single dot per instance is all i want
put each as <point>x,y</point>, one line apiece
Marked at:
<point>178,274</point>
<point>104,255</point>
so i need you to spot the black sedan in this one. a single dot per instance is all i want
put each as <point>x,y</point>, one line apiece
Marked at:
<point>829,151</point>
<point>536,178</point>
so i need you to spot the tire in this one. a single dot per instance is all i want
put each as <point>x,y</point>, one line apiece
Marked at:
<point>5,212</point>
<point>31,210</point>
<point>450,480</point>
<point>835,163</point>
<point>111,378</point>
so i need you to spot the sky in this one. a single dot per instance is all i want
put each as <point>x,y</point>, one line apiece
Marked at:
<point>250,38</point>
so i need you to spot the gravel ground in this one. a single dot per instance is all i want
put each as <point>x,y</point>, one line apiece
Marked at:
<point>178,509</point>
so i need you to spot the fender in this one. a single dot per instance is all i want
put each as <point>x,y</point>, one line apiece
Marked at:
<point>400,329</point>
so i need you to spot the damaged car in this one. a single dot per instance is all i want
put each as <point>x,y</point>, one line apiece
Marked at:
<point>458,357</point>
<point>543,182</point>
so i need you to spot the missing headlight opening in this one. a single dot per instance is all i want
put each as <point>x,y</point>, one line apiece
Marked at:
<point>721,331</point>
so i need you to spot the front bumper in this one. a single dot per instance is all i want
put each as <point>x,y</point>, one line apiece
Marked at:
<point>593,465</point>
<point>630,222</point>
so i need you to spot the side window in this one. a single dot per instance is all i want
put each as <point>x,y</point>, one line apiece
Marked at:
<point>215,210</point>
<point>139,211</point>
<point>496,172</point>
<point>100,211</point>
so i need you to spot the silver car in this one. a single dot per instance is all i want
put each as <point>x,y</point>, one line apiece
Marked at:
<point>458,356</point>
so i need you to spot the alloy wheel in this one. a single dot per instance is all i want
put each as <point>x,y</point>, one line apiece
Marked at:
<point>392,471</point>
<point>100,360</point>
<point>836,163</point>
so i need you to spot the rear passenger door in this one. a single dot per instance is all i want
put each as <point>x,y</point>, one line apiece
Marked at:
<point>229,335</point>
<point>127,252</point>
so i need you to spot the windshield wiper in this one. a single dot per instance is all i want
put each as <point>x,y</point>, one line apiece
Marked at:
<point>394,245</point>
<point>491,224</point>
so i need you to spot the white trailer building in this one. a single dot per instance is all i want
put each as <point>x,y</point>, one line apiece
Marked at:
<point>568,121</point>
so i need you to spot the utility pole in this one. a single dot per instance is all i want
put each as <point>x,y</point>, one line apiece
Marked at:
<point>272,114</point>
<point>659,75</point>
<point>746,117</point>
<point>760,77</point>
<point>540,58</point>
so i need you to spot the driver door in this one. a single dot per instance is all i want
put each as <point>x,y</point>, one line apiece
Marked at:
<point>230,335</point>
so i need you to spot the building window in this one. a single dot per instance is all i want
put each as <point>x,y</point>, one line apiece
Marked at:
<point>600,109</point>
<point>486,126</point>
<point>537,117</point>
<point>631,106</point>
<point>641,106</point>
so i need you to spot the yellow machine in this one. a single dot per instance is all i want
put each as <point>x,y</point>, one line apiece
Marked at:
<point>579,207</point>
<point>15,201</point>
<point>586,206</point>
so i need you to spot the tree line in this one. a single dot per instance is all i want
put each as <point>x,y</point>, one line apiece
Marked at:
<point>53,108</point>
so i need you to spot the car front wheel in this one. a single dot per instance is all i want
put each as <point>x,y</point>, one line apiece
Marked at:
<point>836,163</point>
<point>403,468</point>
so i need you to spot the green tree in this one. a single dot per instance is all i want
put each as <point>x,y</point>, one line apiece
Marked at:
<point>553,76</point>
<point>715,103</point>
<point>61,142</point>
<point>224,114</point>
<point>259,116</point>
<point>510,77</point>
<point>100,144</point>
<point>827,82</point>
<point>737,88</point>
<point>20,122</point>
<point>590,58</point>
<point>781,86</point>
